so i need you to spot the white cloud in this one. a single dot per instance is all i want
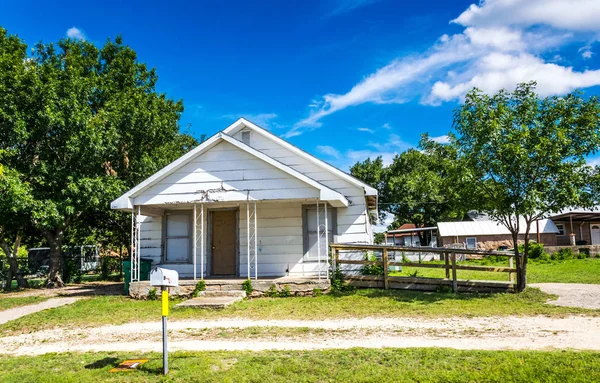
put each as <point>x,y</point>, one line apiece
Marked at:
<point>575,15</point>
<point>441,139</point>
<point>329,151</point>
<point>386,126</point>
<point>264,120</point>
<point>367,130</point>
<point>75,33</point>
<point>382,225</point>
<point>501,45</point>
<point>344,6</point>
<point>586,52</point>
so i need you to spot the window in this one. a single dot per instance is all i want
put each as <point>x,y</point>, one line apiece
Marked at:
<point>246,137</point>
<point>561,229</point>
<point>177,238</point>
<point>311,250</point>
<point>471,243</point>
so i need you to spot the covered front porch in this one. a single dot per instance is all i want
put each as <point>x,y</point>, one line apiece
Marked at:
<point>235,239</point>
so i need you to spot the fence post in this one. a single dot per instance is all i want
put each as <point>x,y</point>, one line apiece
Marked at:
<point>447,263</point>
<point>511,275</point>
<point>454,282</point>
<point>385,269</point>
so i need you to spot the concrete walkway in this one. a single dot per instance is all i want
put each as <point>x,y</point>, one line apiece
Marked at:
<point>572,294</point>
<point>18,312</point>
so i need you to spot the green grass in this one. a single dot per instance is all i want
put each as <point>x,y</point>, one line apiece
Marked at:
<point>9,303</point>
<point>354,365</point>
<point>104,310</point>
<point>568,271</point>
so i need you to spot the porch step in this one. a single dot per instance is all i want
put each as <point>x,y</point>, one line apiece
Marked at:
<point>222,293</point>
<point>210,302</point>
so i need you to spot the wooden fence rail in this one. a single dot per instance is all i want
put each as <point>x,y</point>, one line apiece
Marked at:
<point>450,266</point>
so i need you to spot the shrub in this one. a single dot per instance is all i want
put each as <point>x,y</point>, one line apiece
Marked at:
<point>584,252</point>
<point>337,282</point>
<point>563,254</point>
<point>272,292</point>
<point>317,292</point>
<point>152,294</point>
<point>371,269</point>
<point>413,274</point>
<point>247,287</point>
<point>536,250</point>
<point>285,293</point>
<point>200,286</point>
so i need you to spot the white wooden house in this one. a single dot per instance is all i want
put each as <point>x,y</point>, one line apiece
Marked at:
<point>246,203</point>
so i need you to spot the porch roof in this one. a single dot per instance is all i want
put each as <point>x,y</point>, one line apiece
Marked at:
<point>323,193</point>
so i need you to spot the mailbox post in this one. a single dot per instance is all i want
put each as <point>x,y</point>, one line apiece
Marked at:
<point>164,279</point>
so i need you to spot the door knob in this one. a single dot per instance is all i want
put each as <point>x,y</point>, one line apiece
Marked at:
<point>214,247</point>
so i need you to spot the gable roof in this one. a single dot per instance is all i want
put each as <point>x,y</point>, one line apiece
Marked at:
<point>243,123</point>
<point>326,193</point>
<point>473,228</point>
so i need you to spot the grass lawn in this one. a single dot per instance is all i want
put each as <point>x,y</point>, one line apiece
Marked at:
<point>102,310</point>
<point>9,303</point>
<point>355,365</point>
<point>569,271</point>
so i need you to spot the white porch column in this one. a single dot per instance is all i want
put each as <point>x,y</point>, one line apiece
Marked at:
<point>132,248</point>
<point>255,244</point>
<point>194,240</point>
<point>248,239</point>
<point>326,243</point>
<point>202,241</point>
<point>318,241</point>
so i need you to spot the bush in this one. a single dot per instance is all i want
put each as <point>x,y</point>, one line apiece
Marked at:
<point>200,286</point>
<point>317,292</point>
<point>152,294</point>
<point>337,282</point>
<point>536,251</point>
<point>371,269</point>
<point>272,292</point>
<point>285,293</point>
<point>247,287</point>
<point>584,252</point>
<point>563,254</point>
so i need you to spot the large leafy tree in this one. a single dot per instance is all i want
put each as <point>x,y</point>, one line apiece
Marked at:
<point>416,187</point>
<point>524,156</point>
<point>81,124</point>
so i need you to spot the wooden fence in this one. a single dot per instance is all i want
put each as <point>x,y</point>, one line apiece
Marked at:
<point>421,283</point>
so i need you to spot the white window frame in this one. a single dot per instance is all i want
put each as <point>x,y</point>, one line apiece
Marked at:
<point>166,237</point>
<point>561,229</point>
<point>467,242</point>
<point>305,232</point>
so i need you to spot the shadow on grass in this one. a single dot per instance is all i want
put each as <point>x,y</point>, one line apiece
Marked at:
<point>113,362</point>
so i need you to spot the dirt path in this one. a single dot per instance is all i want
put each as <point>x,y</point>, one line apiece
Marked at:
<point>493,333</point>
<point>83,289</point>
<point>17,312</point>
<point>572,294</point>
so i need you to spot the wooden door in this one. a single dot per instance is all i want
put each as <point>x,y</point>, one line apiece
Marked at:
<point>223,242</point>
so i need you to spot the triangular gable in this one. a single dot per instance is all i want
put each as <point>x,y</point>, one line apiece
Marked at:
<point>126,201</point>
<point>242,123</point>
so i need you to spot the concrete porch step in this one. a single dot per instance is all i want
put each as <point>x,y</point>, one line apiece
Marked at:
<point>209,302</point>
<point>222,293</point>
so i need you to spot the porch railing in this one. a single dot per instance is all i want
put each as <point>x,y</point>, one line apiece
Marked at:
<point>342,254</point>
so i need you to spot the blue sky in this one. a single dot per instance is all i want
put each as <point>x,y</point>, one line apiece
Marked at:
<point>344,80</point>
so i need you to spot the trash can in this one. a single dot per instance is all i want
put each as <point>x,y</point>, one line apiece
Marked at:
<point>145,268</point>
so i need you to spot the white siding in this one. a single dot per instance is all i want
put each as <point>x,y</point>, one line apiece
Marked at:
<point>151,238</point>
<point>225,173</point>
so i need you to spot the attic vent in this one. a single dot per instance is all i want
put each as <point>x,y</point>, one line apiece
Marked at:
<point>246,137</point>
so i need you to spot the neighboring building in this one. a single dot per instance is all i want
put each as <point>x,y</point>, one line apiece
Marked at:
<point>490,235</point>
<point>247,203</point>
<point>582,225</point>
<point>408,235</point>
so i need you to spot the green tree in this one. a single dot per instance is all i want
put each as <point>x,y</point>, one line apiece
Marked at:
<point>416,188</point>
<point>523,157</point>
<point>82,124</point>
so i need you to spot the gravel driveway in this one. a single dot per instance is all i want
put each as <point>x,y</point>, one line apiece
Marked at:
<point>572,294</point>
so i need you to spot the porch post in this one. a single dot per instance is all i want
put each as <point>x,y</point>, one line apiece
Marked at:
<point>255,244</point>
<point>133,246</point>
<point>326,241</point>
<point>318,241</point>
<point>194,242</point>
<point>202,241</point>
<point>248,238</point>
<point>137,239</point>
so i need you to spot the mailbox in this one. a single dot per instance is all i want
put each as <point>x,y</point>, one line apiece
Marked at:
<point>164,277</point>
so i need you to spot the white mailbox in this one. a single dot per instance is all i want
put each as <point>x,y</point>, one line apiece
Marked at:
<point>164,277</point>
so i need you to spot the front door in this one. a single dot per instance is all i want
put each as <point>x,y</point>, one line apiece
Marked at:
<point>595,234</point>
<point>223,242</point>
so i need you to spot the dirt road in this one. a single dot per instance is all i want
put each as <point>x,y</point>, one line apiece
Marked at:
<point>494,333</point>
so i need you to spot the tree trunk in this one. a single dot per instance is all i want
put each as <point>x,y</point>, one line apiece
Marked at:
<point>11,256</point>
<point>55,271</point>
<point>521,279</point>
